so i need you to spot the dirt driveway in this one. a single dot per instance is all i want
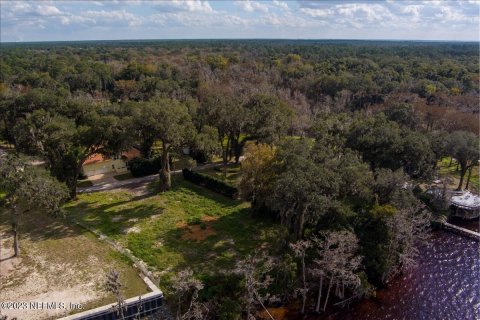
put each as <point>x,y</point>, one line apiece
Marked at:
<point>108,182</point>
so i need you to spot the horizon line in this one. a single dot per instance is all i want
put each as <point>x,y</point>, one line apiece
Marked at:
<point>239,39</point>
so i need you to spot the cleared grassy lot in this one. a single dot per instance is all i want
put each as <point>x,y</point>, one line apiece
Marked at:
<point>187,226</point>
<point>58,263</point>
<point>445,170</point>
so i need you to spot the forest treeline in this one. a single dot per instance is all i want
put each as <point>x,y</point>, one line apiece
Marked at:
<point>335,135</point>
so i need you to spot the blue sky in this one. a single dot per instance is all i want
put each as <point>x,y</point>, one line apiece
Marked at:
<point>322,19</point>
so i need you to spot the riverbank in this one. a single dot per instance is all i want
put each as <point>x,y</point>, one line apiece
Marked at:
<point>473,224</point>
<point>443,285</point>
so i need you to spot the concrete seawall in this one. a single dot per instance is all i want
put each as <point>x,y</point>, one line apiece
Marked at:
<point>135,307</point>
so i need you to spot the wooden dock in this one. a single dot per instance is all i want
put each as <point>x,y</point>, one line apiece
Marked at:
<point>460,230</point>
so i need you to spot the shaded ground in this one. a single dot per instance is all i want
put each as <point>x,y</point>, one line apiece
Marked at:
<point>232,175</point>
<point>473,224</point>
<point>445,169</point>
<point>108,182</point>
<point>84,183</point>
<point>58,263</point>
<point>188,226</point>
<point>199,231</point>
<point>123,176</point>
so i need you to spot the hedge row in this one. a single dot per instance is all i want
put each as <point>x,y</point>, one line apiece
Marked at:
<point>140,167</point>
<point>229,170</point>
<point>211,183</point>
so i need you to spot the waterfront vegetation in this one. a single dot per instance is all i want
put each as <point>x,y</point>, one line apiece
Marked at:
<point>327,143</point>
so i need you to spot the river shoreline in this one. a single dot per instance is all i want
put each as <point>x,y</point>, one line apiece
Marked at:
<point>445,284</point>
<point>473,224</point>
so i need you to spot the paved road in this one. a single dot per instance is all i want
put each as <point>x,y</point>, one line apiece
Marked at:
<point>136,181</point>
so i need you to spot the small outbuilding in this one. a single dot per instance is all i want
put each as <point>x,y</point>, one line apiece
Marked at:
<point>465,205</point>
<point>101,164</point>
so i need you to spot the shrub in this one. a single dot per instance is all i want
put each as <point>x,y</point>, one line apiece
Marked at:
<point>140,167</point>
<point>436,225</point>
<point>82,176</point>
<point>225,291</point>
<point>229,169</point>
<point>211,183</point>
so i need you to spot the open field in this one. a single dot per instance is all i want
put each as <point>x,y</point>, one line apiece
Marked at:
<point>445,170</point>
<point>58,263</point>
<point>187,226</point>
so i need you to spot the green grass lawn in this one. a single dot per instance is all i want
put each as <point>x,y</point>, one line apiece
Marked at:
<point>233,173</point>
<point>187,226</point>
<point>445,170</point>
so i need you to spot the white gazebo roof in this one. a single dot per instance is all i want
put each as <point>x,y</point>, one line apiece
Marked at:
<point>466,200</point>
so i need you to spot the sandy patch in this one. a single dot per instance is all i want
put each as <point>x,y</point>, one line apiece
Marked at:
<point>132,230</point>
<point>61,302</point>
<point>198,232</point>
<point>155,216</point>
<point>7,263</point>
<point>58,265</point>
<point>181,224</point>
<point>34,279</point>
<point>158,244</point>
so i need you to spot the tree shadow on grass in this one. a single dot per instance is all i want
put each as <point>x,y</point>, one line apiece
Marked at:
<point>181,185</point>
<point>118,222</point>
<point>236,235</point>
<point>90,206</point>
<point>37,225</point>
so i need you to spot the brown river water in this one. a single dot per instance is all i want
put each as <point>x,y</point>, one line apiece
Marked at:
<point>445,285</point>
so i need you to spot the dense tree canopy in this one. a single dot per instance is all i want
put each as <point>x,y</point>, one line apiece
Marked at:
<point>464,146</point>
<point>28,188</point>
<point>66,139</point>
<point>335,136</point>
